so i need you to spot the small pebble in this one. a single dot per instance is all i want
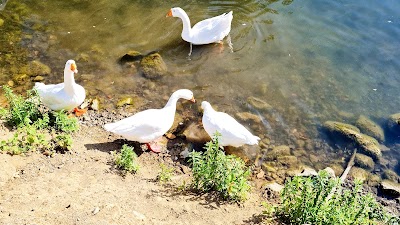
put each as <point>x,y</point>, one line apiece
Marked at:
<point>96,210</point>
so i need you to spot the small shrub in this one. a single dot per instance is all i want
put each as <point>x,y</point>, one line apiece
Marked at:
<point>62,122</point>
<point>305,201</point>
<point>215,171</point>
<point>22,111</point>
<point>63,142</point>
<point>27,138</point>
<point>126,160</point>
<point>165,173</point>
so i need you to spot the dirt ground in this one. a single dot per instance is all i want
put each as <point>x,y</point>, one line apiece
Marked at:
<point>82,187</point>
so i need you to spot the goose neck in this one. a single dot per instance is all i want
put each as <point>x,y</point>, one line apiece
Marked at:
<point>69,81</point>
<point>187,29</point>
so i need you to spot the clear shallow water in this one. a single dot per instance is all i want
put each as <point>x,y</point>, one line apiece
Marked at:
<point>312,61</point>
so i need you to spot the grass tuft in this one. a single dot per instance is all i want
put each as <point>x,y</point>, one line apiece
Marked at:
<point>36,131</point>
<point>215,171</point>
<point>126,160</point>
<point>165,173</point>
<point>305,201</point>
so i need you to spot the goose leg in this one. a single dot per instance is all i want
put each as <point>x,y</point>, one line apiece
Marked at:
<point>229,40</point>
<point>154,147</point>
<point>190,53</point>
<point>79,112</point>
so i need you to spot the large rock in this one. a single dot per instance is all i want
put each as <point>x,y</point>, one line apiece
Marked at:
<point>370,128</point>
<point>195,133</point>
<point>258,103</point>
<point>368,144</point>
<point>394,121</point>
<point>364,162</point>
<point>153,66</point>
<point>246,116</point>
<point>281,150</point>
<point>359,174</point>
<point>339,127</point>
<point>131,56</point>
<point>37,68</point>
<point>391,188</point>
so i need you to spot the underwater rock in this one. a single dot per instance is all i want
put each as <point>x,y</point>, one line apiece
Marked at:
<point>268,167</point>
<point>370,128</point>
<point>195,133</point>
<point>391,175</point>
<point>391,188</point>
<point>178,120</point>
<point>259,104</point>
<point>37,68</point>
<point>364,162</point>
<point>38,79</point>
<point>1,22</point>
<point>246,116</point>
<point>359,173</point>
<point>95,104</point>
<point>342,128</point>
<point>20,78</point>
<point>288,160</point>
<point>394,121</point>
<point>337,168</point>
<point>131,56</point>
<point>10,83</point>
<point>369,144</point>
<point>281,150</point>
<point>125,101</point>
<point>153,66</point>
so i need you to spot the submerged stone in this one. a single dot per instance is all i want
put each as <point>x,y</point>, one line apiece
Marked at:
<point>364,162</point>
<point>370,128</point>
<point>125,101</point>
<point>246,116</point>
<point>131,56</point>
<point>334,126</point>
<point>95,104</point>
<point>153,66</point>
<point>394,121</point>
<point>258,103</point>
<point>369,144</point>
<point>1,22</point>
<point>359,174</point>
<point>195,133</point>
<point>391,188</point>
<point>38,79</point>
<point>36,68</point>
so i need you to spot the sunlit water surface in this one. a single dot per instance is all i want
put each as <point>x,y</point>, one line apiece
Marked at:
<point>312,61</point>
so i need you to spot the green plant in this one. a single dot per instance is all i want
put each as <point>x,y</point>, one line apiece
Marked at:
<point>27,138</point>
<point>62,122</point>
<point>305,201</point>
<point>126,160</point>
<point>215,171</point>
<point>63,142</point>
<point>165,173</point>
<point>22,111</point>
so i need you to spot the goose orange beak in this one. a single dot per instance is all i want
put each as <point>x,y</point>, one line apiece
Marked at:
<point>73,68</point>
<point>193,100</point>
<point>169,14</point>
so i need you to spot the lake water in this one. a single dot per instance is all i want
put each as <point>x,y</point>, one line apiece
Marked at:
<point>312,61</point>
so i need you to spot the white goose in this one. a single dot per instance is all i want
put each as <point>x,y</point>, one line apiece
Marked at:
<point>207,31</point>
<point>67,95</point>
<point>149,125</point>
<point>232,133</point>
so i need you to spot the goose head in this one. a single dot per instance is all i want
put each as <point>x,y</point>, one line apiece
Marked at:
<point>176,12</point>
<point>185,94</point>
<point>70,66</point>
<point>205,105</point>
